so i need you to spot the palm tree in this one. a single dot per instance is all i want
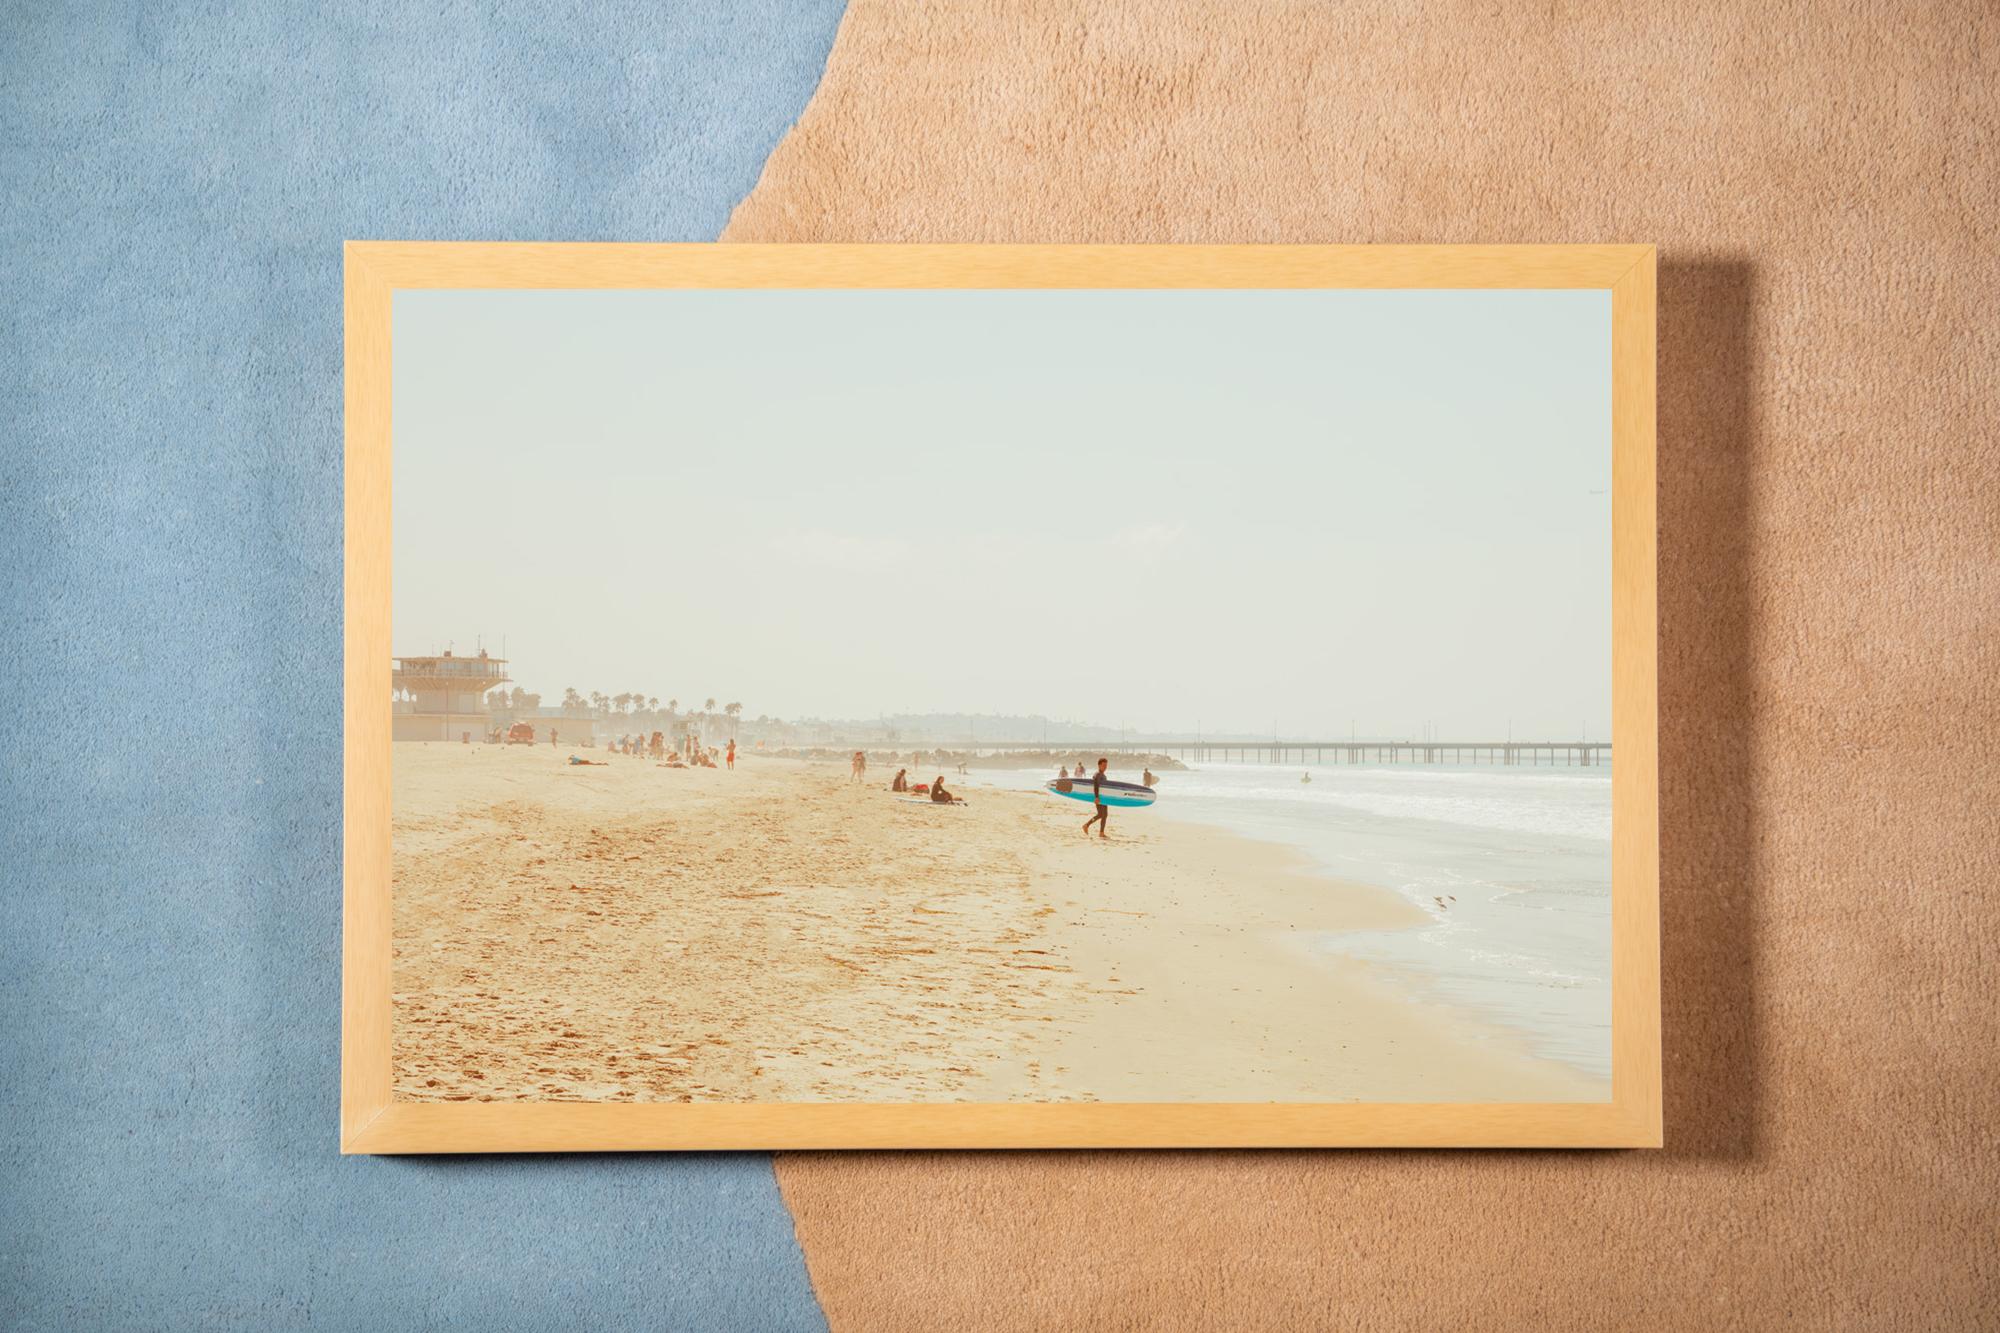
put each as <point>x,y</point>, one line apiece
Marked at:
<point>571,699</point>
<point>653,703</point>
<point>735,712</point>
<point>623,701</point>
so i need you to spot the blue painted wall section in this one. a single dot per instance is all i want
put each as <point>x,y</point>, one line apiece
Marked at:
<point>175,184</point>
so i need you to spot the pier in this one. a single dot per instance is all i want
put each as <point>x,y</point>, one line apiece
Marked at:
<point>1557,754</point>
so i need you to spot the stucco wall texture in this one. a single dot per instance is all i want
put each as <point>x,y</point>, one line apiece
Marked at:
<point>1822,181</point>
<point>175,185</point>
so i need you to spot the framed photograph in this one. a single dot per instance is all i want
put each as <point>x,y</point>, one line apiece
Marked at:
<point>999,697</point>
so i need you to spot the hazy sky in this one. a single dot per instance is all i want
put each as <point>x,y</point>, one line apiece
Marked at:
<point>1231,509</point>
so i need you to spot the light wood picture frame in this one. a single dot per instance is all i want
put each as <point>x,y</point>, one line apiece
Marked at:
<point>373,1121</point>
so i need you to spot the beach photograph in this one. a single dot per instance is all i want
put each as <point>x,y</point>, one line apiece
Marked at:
<point>931,696</point>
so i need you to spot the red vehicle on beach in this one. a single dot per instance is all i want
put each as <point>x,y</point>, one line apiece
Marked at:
<point>521,733</point>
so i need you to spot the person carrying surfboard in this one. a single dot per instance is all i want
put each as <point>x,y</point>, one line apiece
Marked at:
<point>1102,818</point>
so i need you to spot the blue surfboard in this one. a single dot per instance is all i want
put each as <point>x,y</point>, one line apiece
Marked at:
<point>1115,793</point>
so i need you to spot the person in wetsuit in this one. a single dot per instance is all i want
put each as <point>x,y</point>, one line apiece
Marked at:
<point>1103,816</point>
<point>939,794</point>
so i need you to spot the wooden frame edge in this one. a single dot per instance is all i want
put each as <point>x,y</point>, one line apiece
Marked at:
<point>372,1122</point>
<point>367,947</point>
<point>1635,876</point>
<point>477,1127</point>
<point>528,265</point>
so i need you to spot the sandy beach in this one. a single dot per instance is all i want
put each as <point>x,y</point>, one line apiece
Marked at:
<point>636,933</point>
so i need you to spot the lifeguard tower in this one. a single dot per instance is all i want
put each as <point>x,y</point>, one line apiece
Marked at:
<point>444,698</point>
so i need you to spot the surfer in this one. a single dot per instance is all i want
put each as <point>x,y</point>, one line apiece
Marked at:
<point>902,782</point>
<point>1150,779</point>
<point>939,795</point>
<point>1103,816</point>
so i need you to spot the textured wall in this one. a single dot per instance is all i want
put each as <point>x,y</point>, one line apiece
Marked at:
<point>175,183</point>
<point>173,189</point>
<point>1823,183</point>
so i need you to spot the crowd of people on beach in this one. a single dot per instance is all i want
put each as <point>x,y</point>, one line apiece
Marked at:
<point>689,752</point>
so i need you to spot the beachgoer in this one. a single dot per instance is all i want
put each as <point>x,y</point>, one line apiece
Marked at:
<point>902,782</point>
<point>552,735</point>
<point>1103,816</point>
<point>939,795</point>
<point>732,752</point>
<point>857,767</point>
<point>1150,779</point>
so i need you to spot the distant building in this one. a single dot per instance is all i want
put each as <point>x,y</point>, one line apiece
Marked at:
<point>444,698</point>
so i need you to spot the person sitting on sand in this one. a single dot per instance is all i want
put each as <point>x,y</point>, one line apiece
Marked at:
<point>902,782</point>
<point>939,796</point>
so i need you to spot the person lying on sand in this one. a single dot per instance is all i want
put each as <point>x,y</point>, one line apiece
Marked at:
<point>599,763</point>
<point>902,782</point>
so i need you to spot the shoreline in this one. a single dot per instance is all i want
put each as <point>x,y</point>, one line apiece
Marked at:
<point>624,932</point>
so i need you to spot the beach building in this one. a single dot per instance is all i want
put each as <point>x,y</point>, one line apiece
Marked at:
<point>443,698</point>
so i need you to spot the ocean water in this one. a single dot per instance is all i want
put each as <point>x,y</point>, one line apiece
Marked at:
<point>1511,865</point>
